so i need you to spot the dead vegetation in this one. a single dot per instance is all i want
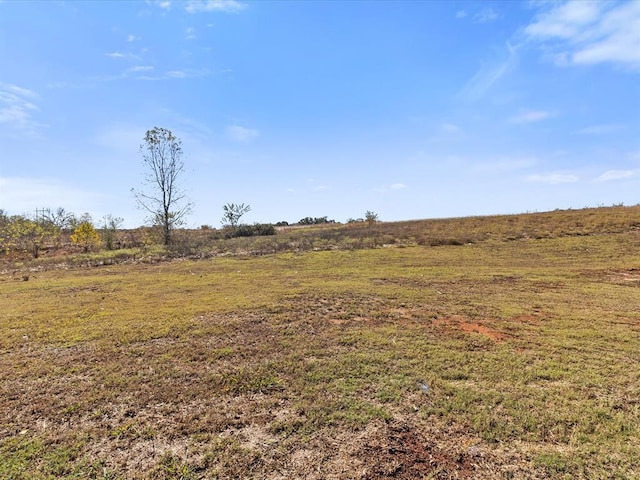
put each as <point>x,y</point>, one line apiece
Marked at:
<point>497,359</point>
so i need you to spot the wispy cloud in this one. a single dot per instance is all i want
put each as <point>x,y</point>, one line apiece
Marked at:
<point>141,68</point>
<point>530,116</point>
<point>600,129</point>
<point>390,188</point>
<point>227,6</point>
<point>485,15</point>
<point>162,4</point>
<point>489,74</point>
<point>553,178</point>
<point>190,33</point>
<point>611,175</point>
<point>132,38</point>
<point>168,75</point>
<point>461,14</point>
<point>17,108</point>
<point>122,55</point>
<point>580,32</point>
<point>241,134</point>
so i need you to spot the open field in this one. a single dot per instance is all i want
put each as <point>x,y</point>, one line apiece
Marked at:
<point>508,349</point>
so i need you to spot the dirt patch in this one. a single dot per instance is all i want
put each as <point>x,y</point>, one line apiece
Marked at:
<point>402,453</point>
<point>460,323</point>
<point>625,277</point>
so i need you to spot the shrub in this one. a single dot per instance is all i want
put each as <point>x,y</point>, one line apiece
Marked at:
<point>315,221</point>
<point>255,230</point>
<point>85,235</point>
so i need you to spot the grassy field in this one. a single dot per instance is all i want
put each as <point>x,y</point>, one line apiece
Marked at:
<point>497,347</point>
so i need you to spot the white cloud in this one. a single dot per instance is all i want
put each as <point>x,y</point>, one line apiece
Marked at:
<point>132,38</point>
<point>393,187</point>
<point>553,178</point>
<point>610,175</point>
<point>485,15</point>
<point>176,74</point>
<point>146,73</point>
<point>169,75</point>
<point>14,89</point>
<point>228,6</point>
<point>461,14</point>
<point>599,129</point>
<point>530,116</point>
<point>123,55</point>
<point>564,21</point>
<point>141,68</point>
<point>17,107</point>
<point>163,4</point>
<point>581,32</point>
<point>190,33</point>
<point>489,74</point>
<point>241,134</point>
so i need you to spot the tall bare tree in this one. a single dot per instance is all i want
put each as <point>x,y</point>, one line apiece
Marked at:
<point>163,199</point>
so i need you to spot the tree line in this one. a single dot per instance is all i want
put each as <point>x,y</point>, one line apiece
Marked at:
<point>161,196</point>
<point>23,233</point>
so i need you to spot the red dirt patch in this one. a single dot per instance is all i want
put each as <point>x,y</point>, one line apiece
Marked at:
<point>460,323</point>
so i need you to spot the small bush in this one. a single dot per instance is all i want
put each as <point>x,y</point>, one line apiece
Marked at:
<point>258,229</point>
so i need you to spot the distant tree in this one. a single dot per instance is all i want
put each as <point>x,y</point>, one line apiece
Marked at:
<point>60,218</point>
<point>232,214</point>
<point>25,234</point>
<point>164,200</point>
<point>109,230</point>
<point>370,217</point>
<point>4,223</point>
<point>315,221</point>
<point>85,234</point>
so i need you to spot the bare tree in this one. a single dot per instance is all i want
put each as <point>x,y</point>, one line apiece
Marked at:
<point>59,218</point>
<point>164,200</point>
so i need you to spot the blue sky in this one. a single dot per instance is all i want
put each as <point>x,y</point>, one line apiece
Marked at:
<point>409,109</point>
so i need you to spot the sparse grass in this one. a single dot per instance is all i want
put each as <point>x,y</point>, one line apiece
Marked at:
<point>310,364</point>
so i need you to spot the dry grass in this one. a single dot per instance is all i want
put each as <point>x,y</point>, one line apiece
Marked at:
<point>497,359</point>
